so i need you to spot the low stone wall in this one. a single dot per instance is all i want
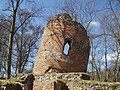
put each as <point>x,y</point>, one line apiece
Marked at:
<point>92,85</point>
<point>57,81</point>
<point>63,76</point>
<point>71,81</point>
<point>18,82</point>
<point>11,85</point>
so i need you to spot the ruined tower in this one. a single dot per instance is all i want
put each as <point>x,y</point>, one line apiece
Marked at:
<point>61,32</point>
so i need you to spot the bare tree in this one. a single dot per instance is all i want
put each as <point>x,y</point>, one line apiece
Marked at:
<point>15,7</point>
<point>83,12</point>
<point>3,45</point>
<point>93,61</point>
<point>25,45</point>
<point>114,28</point>
<point>111,33</point>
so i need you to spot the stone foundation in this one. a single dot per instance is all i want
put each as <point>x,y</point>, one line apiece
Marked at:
<point>71,81</point>
<point>18,82</point>
<point>58,81</point>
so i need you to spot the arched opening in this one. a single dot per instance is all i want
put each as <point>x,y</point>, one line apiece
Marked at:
<point>67,47</point>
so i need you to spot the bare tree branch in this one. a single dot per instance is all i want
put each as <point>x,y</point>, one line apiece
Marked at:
<point>22,23</point>
<point>5,27</point>
<point>117,20</point>
<point>12,4</point>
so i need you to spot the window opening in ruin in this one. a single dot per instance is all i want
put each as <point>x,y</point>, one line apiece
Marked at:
<point>67,47</point>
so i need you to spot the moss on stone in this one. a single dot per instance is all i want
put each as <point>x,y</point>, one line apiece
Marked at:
<point>11,81</point>
<point>5,82</point>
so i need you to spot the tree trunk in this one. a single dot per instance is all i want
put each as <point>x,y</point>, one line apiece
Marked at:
<point>105,53</point>
<point>11,37</point>
<point>20,54</point>
<point>0,59</point>
<point>9,55</point>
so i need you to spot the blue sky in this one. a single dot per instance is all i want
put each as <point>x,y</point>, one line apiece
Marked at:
<point>50,10</point>
<point>50,7</point>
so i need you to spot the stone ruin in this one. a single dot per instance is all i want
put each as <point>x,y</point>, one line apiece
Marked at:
<point>60,31</point>
<point>52,56</point>
<point>56,67</point>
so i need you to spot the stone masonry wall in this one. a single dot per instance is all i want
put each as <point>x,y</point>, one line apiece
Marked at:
<point>59,31</point>
<point>56,70</point>
<point>58,81</point>
<point>71,81</point>
<point>18,82</point>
